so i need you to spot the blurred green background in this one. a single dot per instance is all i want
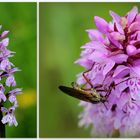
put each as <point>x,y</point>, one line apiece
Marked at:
<point>62,32</point>
<point>20,20</point>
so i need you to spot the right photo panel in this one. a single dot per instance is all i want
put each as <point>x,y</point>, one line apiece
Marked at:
<point>89,70</point>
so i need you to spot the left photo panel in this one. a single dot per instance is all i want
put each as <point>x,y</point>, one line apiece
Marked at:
<point>18,114</point>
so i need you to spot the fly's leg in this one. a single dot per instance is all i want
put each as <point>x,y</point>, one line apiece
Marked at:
<point>85,77</point>
<point>105,106</point>
<point>124,80</point>
<point>112,86</point>
<point>88,80</point>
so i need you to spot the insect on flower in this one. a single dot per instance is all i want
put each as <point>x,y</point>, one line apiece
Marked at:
<point>92,94</point>
<point>89,95</point>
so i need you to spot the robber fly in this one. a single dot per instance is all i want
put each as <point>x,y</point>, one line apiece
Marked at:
<point>91,95</point>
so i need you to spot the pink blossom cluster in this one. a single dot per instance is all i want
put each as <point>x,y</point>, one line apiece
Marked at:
<point>112,59</point>
<point>8,92</point>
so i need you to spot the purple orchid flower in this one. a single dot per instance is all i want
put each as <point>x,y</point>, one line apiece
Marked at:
<point>9,116</point>
<point>8,72</point>
<point>3,34</point>
<point>12,94</point>
<point>10,81</point>
<point>113,57</point>
<point>5,65</point>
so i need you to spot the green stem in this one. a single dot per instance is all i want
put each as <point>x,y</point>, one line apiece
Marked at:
<point>2,127</point>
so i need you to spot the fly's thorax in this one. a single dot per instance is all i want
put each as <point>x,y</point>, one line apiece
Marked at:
<point>97,97</point>
<point>95,93</point>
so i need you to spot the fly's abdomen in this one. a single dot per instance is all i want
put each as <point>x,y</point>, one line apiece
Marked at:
<point>77,93</point>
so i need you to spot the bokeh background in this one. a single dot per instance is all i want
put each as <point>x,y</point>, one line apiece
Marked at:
<point>62,32</point>
<point>20,20</point>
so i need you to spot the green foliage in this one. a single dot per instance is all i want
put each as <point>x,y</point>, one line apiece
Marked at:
<point>20,20</point>
<point>62,32</point>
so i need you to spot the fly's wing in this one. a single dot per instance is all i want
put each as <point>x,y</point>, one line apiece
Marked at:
<point>79,94</point>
